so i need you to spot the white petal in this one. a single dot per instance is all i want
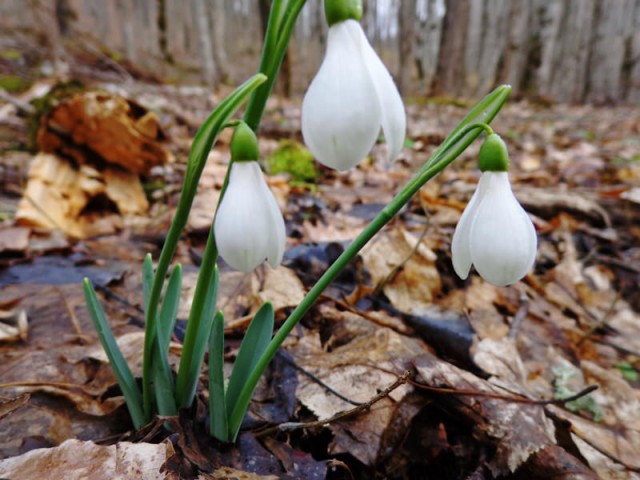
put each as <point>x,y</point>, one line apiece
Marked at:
<point>276,235</point>
<point>460,251</point>
<point>340,117</point>
<point>394,119</point>
<point>249,227</point>
<point>503,240</point>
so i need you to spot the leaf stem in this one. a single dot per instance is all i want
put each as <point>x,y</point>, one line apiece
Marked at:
<point>202,143</point>
<point>279,29</point>
<point>459,142</point>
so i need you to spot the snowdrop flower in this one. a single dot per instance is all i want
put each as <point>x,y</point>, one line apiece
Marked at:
<point>494,234</point>
<point>352,95</point>
<point>249,227</point>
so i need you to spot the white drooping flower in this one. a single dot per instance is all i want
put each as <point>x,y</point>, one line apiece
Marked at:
<point>249,227</point>
<point>494,234</point>
<point>351,97</point>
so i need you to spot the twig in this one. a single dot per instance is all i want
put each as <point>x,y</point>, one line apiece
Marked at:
<point>478,393</point>
<point>319,382</point>
<point>16,102</point>
<point>600,322</point>
<point>290,426</point>
<point>71,313</point>
<point>507,398</point>
<point>350,308</point>
<point>135,320</point>
<point>396,270</point>
<point>521,314</point>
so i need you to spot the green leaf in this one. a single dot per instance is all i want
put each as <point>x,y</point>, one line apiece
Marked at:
<point>484,112</point>
<point>195,341</point>
<point>162,375</point>
<point>169,311</point>
<point>219,426</point>
<point>202,143</point>
<point>119,365</point>
<point>628,372</point>
<point>163,387</point>
<point>253,345</point>
<point>147,279</point>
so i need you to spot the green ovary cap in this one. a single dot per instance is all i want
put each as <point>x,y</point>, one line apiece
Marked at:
<point>338,11</point>
<point>494,156</point>
<point>244,144</point>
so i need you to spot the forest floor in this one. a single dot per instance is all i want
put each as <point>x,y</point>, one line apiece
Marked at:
<point>401,370</point>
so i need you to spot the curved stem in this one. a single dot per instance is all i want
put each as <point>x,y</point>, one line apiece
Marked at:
<point>279,30</point>
<point>459,142</point>
<point>200,147</point>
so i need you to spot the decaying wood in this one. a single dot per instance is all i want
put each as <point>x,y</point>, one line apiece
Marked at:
<point>99,127</point>
<point>58,195</point>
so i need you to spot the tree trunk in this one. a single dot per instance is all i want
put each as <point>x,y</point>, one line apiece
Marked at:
<point>450,71</point>
<point>216,20</point>
<point>428,43</point>
<point>406,44</point>
<point>161,21</point>
<point>486,43</point>
<point>50,20</point>
<point>518,50</point>
<point>567,48</point>
<point>631,67</point>
<point>613,21</point>
<point>210,74</point>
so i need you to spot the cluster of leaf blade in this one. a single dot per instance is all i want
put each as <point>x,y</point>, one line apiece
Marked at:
<point>159,326</point>
<point>170,395</point>
<point>226,404</point>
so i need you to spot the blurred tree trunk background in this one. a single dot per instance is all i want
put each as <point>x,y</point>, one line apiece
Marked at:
<point>567,50</point>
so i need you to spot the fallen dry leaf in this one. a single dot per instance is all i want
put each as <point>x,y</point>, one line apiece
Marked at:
<point>517,430</point>
<point>404,267</point>
<point>78,460</point>
<point>356,370</point>
<point>227,473</point>
<point>14,239</point>
<point>119,131</point>
<point>7,406</point>
<point>58,196</point>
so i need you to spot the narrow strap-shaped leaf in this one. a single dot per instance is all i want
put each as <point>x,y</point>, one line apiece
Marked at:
<point>147,279</point>
<point>253,346</point>
<point>219,426</point>
<point>202,143</point>
<point>197,336</point>
<point>169,310</point>
<point>163,387</point>
<point>483,112</point>
<point>118,363</point>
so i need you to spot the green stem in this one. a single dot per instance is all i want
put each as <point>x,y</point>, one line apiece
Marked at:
<point>200,148</point>
<point>275,46</point>
<point>190,360</point>
<point>460,141</point>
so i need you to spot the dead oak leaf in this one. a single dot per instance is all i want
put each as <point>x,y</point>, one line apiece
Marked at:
<point>356,370</point>
<point>517,430</point>
<point>79,460</point>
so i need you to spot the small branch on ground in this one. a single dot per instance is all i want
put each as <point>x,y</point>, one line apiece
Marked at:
<point>290,426</point>
<point>16,102</point>
<point>521,314</point>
